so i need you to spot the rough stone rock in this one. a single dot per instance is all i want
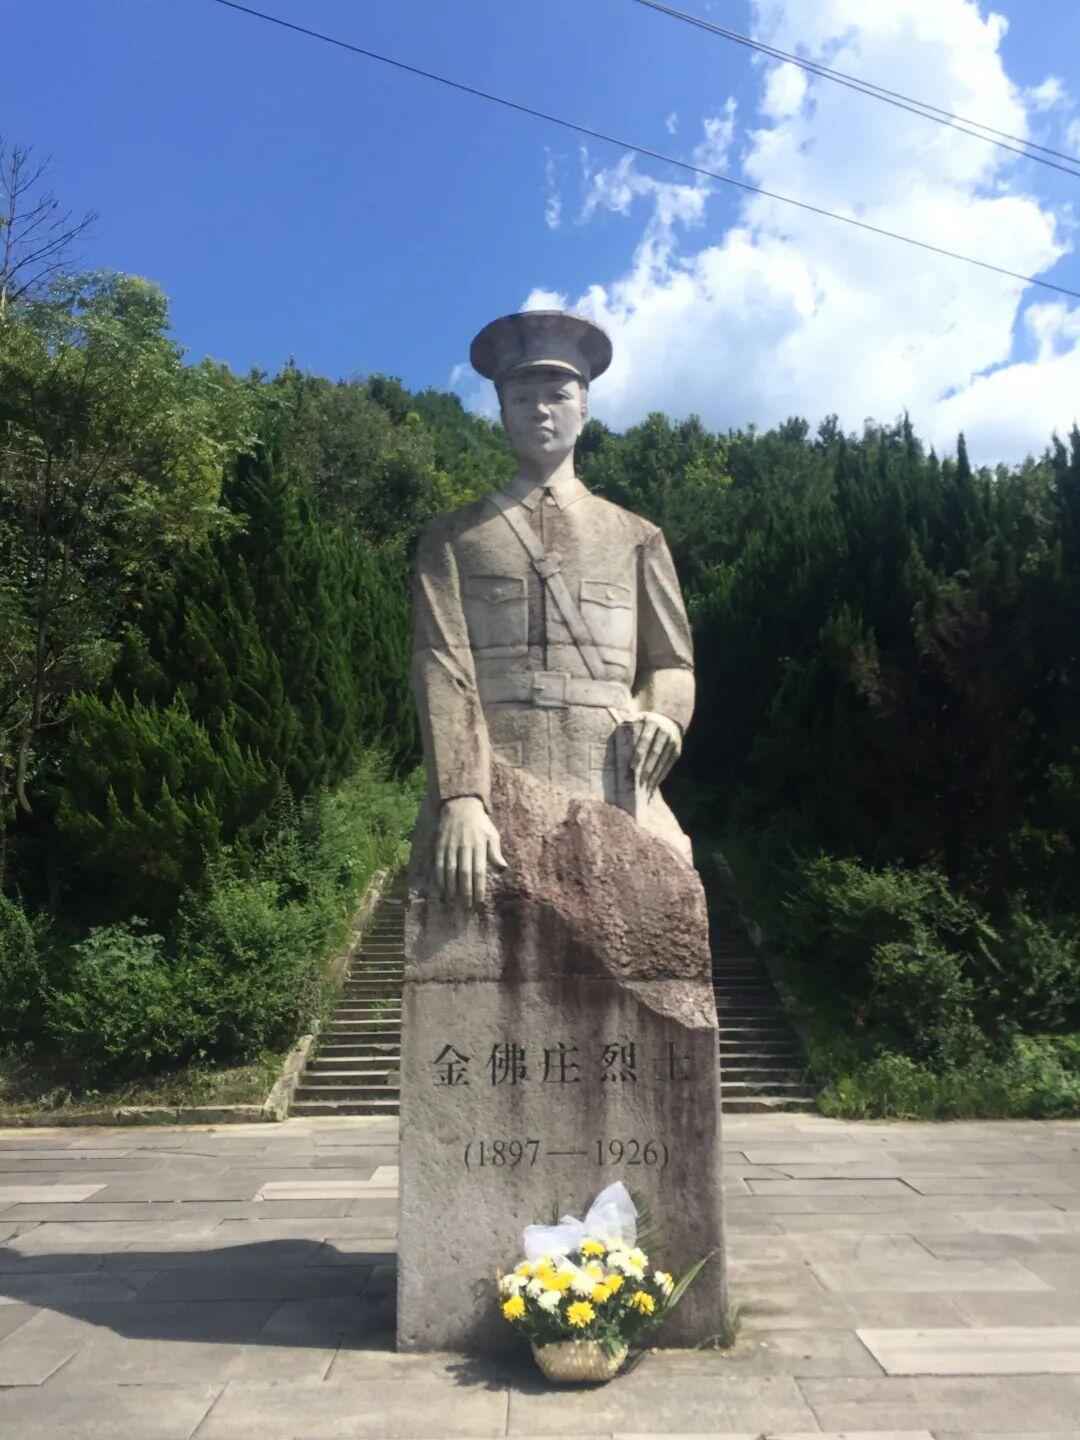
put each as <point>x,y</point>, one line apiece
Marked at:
<point>562,1037</point>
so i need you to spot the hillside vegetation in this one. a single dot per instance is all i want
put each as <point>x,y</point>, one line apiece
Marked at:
<point>206,735</point>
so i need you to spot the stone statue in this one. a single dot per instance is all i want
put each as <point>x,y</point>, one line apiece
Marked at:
<point>559,1028</point>
<point>550,632</point>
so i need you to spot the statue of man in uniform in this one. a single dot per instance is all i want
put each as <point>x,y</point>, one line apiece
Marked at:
<point>550,632</point>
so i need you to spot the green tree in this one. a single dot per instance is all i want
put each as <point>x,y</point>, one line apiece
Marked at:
<point>112,453</point>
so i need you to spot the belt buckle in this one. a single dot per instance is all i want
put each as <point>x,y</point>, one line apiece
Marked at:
<point>548,689</point>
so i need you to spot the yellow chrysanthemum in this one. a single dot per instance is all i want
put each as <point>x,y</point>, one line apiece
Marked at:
<point>526,1268</point>
<point>600,1294</point>
<point>560,1280</point>
<point>514,1308</point>
<point>580,1314</point>
<point>614,1283</point>
<point>641,1300</point>
<point>592,1247</point>
<point>595,1269</point>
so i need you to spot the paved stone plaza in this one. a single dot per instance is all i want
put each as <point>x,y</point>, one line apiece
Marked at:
<point>239,1282</point>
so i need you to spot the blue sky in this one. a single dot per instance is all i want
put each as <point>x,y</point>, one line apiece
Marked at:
<point>295,200</point>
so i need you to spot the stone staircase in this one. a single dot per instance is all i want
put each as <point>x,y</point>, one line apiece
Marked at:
<point>762,1064</point>
<point>354,1069</point>
<point>355,1066</point>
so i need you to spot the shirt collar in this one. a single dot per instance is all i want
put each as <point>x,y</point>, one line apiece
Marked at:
<point>564,492</point>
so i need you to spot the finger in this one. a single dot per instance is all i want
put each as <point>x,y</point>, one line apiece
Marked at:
<point>645,736</point>
<point>669,762</point>
<point>479,875</point>
<point>655,751</point>
<point>450,888</point>
<point>440,869</point>
<point>494,849</point>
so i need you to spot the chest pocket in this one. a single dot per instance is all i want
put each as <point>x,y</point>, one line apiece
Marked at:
<point>608,610</point>
<point>496,611</point>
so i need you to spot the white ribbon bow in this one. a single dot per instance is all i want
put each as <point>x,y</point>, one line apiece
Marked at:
<point>611,1219</point>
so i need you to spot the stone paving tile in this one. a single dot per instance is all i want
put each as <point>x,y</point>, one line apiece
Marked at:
<point>941,1276</point>
<point>888,1223</point>
<point>1007,1435</point>
<point>979,1350</point>
<point>60,1291</point>
<point>26,1361</point>
<point>251,1282</point>
<point>1019,1222</point>
<point>993,1185</point>
<point>53,1193</point>
<point>799,1353</point>
<point>707,1404</point>
<point>329,1411</point>
<point>831,1186</point>
<point>924,1311</point>
<point>13,1316</point>
<point>855,1247</point>
<point>105,1412</point>
<point>1052,1307</point>
<point>984,1402</point>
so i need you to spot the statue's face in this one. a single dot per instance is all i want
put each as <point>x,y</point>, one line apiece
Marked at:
<point>543,412</point>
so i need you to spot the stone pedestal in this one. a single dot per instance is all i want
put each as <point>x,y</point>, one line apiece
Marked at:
<point>561,1038</point>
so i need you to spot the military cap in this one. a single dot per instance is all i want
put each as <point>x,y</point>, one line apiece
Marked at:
<point>530,339</point>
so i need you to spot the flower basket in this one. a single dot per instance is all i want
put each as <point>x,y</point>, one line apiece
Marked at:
<point>579,1362</point>
<point>585,1291</point>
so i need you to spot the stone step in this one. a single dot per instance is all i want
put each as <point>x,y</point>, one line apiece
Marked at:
<point>346,1050</point>
<point>351,1079</point>
<point>760,1051</point>
<point>358,1093</point>
<point>336,1060</point>
<point>353,1030</point>
<point>735,1088</point>
<point>331,1108</point>
<point>747,995</point>
<point>765,1075</point>
<point>753,1014</point>
<point>767,1104</point>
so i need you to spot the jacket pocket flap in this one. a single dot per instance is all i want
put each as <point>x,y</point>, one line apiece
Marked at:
<point>494,588</point>
<point>607,592</point>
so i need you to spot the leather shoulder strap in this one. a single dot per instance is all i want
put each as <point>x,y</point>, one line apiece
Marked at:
<point>548,568</point>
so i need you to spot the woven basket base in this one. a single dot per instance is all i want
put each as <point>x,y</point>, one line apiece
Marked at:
<point>578,1362</point>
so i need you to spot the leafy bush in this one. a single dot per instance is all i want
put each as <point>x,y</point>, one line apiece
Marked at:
<point>1037,972</point>
<point>254,964</point>
<point>899,952</point>
<point>1035,1076</point>
<point>124,1006</point>
<point>22,973</point>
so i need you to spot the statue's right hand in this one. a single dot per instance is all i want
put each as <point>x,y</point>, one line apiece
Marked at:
<point>466,843</point>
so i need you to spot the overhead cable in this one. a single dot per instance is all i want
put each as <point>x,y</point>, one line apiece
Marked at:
<point>974,128</point>
<point>644,149</point>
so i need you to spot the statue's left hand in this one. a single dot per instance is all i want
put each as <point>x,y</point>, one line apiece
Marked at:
<point>659,745</point>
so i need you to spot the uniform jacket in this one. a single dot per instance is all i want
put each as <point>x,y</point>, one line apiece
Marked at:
<point>496,672</point>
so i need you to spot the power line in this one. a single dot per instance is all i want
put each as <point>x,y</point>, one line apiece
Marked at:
<point>880,92</point>
<point>643,149</point>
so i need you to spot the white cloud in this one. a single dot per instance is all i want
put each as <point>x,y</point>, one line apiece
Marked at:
<point>552,198</point>
<point>672,122</point>
<point>787,312</point>
<point>1050,93</point>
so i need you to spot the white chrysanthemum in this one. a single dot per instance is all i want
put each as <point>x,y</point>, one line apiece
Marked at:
<point>638,1257</point>
<point>535,1288</point>
<point>511,1284</point>
<point>549,1300</point>
<point>663,1281</point>
<point>582,1284</point>
<point>618,1259</point>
